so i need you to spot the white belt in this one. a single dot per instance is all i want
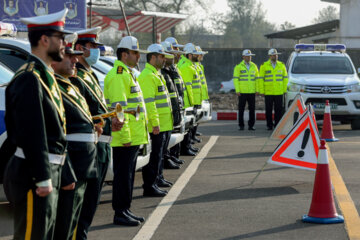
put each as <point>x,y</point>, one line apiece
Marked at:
<point>105,139</point>
<point>81,137</point>
<point>53,158</point>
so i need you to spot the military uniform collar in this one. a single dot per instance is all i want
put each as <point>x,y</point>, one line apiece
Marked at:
<point>151,67</point>
<point>62,78</point>
<point>79,65</point>
<point>50,69</point>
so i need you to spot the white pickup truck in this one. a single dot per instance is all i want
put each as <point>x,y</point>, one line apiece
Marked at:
<point>321,72</point>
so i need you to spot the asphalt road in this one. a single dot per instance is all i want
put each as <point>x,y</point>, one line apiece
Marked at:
<point>217,200</point>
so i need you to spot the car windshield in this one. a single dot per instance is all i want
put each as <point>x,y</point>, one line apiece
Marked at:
<point>322,65</point>
<point>102,67</point>
<point>5,74</point>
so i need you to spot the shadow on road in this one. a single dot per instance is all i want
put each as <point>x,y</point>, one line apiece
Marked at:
<point>292,226</point>
<point>236,193</point>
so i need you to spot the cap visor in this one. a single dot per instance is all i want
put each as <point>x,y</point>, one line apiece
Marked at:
<point>65,31</point>
<point>141,51</point>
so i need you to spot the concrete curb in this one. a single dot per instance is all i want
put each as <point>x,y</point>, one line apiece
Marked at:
<point>232,115</point>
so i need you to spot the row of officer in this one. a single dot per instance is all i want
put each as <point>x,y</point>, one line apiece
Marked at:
<point>54,192</point>
<point>270,81</point>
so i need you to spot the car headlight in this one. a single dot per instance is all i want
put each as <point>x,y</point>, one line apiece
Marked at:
<point>293,87</point>
<point>353,88</point>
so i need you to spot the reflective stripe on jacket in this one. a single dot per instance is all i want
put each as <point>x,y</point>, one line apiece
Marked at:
<point>121,86</point>
<point>246,81</point>
<point>157,99</point>
<point>192,81</point>
<point>273,81</point>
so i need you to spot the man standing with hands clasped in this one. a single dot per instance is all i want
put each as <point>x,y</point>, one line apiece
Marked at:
<point>33,174</point>
<point>122,87</point>
<point>246,85</point>
<point>273,84</point>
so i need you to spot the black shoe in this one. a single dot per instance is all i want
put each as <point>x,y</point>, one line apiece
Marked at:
<point>198,140</point>
<point>269,128</point>
<point>192,141</point>
<point>154,192</point>
<point>198,134</point>
<point>252,128</point>
<point>177,160</point>
<point>140,219</point>
<point>125,219</point>
<point>163,183</point>
<point>189,153</point>
<point>169,164</point>
<point>194,149</point>
<point>160,189</point>
<point>241,128</point>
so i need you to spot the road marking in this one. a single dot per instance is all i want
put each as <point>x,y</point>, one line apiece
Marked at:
<point>153,222</point>
<point>346,204</point>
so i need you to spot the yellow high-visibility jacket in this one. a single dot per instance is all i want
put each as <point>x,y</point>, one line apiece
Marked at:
<point>192,81</point>
<point>121,86</point>
<point>246,81</point>
<point>273,81</point>
<point>157,99</point>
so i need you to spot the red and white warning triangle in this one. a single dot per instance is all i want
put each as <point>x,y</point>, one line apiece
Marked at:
<point>300,148</point>
<point>296,109</point>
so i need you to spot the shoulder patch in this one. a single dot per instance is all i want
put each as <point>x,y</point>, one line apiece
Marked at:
<point>120,70</point>
<point>30,66</point>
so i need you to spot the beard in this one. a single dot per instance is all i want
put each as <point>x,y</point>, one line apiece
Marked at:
<point>55,55</point>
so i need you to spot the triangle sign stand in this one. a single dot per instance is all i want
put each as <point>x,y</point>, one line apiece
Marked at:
<point>300,148</point>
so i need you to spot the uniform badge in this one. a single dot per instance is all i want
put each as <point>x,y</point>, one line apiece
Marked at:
<point>120,70</point>
<point>268,71</point>
<point>243,71</point>
<point>55,93</point>
<point>134,89</point>
<point>161,88</point>
<point>71,92</point>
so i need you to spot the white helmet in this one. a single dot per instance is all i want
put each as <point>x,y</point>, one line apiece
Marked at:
<point>131,43</point>
<point>273,51</point>
<point>190,48</point>
<point>157,48</point>
<point>247,52</point>
<point>173,42</point>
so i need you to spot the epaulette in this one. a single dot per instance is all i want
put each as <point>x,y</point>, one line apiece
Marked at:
<point>30,67</point>
<point>120,70</point>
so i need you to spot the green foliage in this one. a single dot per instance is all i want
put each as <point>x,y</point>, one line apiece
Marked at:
<point>246,25</point>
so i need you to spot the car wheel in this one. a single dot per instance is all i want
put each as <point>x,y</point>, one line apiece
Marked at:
<point>355,124</point>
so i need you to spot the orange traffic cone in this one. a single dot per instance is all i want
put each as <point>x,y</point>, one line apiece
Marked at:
<point>327,131</point>
<point>322,209</point>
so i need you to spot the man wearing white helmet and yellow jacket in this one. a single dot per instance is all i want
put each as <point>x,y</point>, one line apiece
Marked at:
<point>245,81</point>
<point>122,87</point>
<point>159,110</point>
<point>273,84</point>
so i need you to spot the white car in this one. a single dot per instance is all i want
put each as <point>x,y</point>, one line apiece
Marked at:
<point>227,86</point>
<point>321,72</point>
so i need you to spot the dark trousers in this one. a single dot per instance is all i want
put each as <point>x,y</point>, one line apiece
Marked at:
<point>186,143</point>
<point>250,99</point>
<point>68,212</point>
<point>151,171</point>
<point>193,131</point>
<point>93,192</point>
<point>165,151</point>
<point>124,164</point>
<point>273,102</point>
<point>175,150</point>
<point>34,216</point>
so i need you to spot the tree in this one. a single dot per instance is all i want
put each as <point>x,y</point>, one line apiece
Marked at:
<point>246,25</point>
<point>327,14</point>
<point>286,26</point>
